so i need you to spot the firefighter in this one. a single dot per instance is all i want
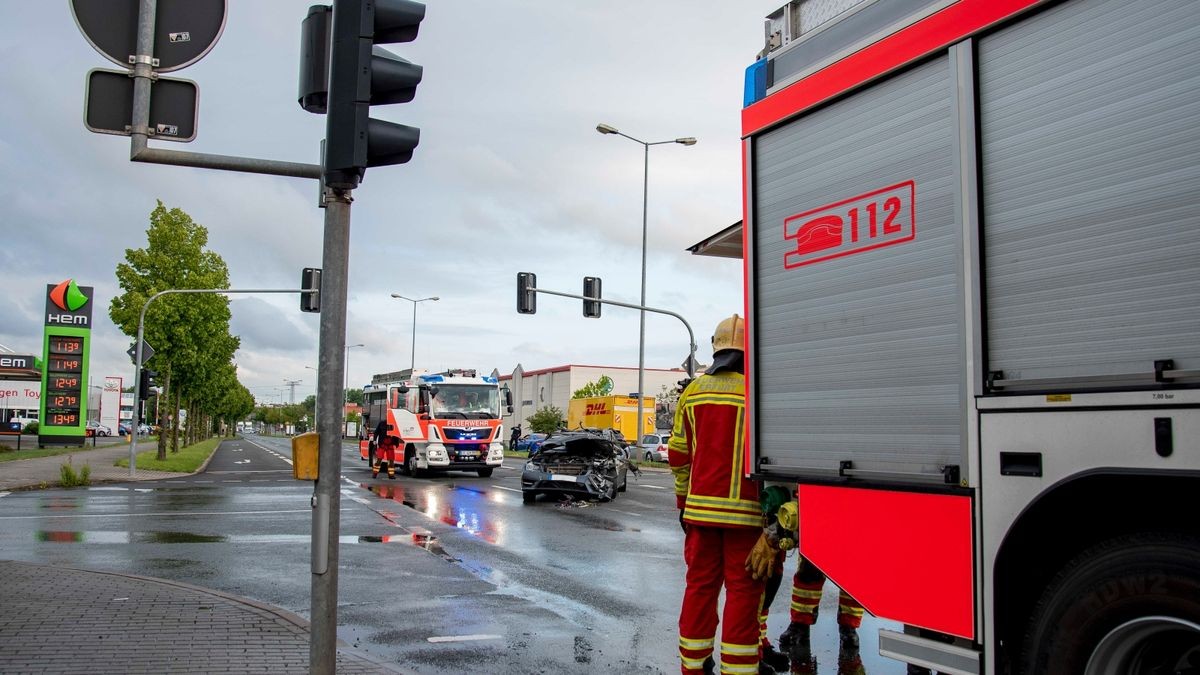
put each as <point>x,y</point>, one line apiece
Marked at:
<point>387,449</point>
<point>719,512</point>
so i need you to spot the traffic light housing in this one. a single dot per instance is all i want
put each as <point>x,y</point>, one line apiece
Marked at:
<point>591,289</point>
<point>310,279</point>
<point>361,75</point>
<point>526,298</point>
<point>146,383</point>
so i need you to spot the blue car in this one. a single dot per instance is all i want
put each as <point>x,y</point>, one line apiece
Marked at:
<point>530,443</point>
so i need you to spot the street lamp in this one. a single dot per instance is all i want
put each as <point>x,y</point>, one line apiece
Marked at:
<point>345,384</point>
<point>412,364</point>
<point>606,129</point>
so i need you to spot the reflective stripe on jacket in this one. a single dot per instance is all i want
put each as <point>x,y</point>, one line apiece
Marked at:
<point>705,453</point>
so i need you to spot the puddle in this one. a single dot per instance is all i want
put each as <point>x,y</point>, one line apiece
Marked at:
<point>460,515</point>
<point>119,537</point>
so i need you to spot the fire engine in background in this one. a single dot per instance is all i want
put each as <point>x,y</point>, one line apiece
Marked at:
<point>972,249</point>
<point>444,421</point>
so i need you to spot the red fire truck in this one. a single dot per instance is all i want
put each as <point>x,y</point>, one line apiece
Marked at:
<point>972,264</point>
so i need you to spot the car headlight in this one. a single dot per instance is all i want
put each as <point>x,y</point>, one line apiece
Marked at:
<point>530,466</point>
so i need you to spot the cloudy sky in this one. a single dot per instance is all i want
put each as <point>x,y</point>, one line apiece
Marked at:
<point>510,176</point>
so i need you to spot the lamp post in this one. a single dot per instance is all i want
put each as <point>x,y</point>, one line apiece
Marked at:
<point>412,364</point>
<point>345,385</point>
<point>641,395</point>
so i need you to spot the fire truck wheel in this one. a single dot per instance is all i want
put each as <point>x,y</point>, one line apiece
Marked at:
<point>1128,605</point>
<point>528,497</point>
<point>484,473</point>
<point>410,462</point>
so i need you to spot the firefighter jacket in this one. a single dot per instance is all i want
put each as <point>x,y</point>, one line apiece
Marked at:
<point>705,453</point>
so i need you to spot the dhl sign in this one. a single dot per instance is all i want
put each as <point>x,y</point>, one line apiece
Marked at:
<point>596,409</point>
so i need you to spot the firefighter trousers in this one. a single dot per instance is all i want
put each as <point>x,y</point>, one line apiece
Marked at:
<point>716,557</point>
<point>806,598</point>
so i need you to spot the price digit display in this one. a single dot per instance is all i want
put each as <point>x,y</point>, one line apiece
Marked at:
<point>65,363</point>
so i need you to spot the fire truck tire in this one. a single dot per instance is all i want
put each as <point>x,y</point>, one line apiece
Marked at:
<point>1128,605</point>
<point>484,473</point>
<point>411,464</point>
<point>528,497</point>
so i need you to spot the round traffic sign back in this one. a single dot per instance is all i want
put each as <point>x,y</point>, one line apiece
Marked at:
<point>184,30</point>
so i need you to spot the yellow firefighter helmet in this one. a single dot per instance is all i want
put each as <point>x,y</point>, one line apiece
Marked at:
<point>730,334</point>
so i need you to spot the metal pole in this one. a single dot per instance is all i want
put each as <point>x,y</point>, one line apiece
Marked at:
<point>142,72</point>
<point>412,359</point>
<point>641,312</point>
<point>326,495</point>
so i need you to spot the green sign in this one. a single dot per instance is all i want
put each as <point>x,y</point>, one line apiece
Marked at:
<point>68,329</point>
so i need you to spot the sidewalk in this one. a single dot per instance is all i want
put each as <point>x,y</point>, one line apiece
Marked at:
<point>63,620</point>
<point>25,473</point>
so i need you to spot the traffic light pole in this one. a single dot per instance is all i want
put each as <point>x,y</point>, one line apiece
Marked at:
<point>691,365</point>
<point>141,333</point>
<point>335,268</point>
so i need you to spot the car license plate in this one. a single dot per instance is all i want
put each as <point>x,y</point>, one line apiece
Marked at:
<point>561,477</point>
<point>467,455</point>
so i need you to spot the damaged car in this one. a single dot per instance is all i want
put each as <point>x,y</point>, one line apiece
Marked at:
<point>580,463</point>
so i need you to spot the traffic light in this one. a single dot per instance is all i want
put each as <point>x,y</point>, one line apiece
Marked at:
<point>526,299</point>
<point>146,383</point>
<point>362,75</point>
<point>310,278</point>
<point>591,289</point>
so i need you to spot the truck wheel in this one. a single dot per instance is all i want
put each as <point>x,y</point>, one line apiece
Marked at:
<point>1130,605</point>
<point>413,467</point>
<point>484,473</point>
<point>528,497</point>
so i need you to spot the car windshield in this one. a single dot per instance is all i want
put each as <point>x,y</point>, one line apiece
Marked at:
<point>467,401</point>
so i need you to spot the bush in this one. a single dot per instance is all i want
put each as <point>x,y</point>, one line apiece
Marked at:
<point>31,428</point>
<point>546,420</point>
<point>68,477</point>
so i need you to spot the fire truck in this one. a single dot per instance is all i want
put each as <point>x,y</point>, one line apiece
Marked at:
<point>447,421</point>
<point>971,239</point>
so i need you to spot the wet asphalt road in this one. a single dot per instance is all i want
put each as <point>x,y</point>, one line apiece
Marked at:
<point>445,574</point>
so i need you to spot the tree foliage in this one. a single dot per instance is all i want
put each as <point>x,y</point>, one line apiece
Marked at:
<point>546,420</point>
<point>189,332</point>
<point>601,387</point>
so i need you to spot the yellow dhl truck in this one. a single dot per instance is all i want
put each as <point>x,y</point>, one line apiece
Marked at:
<point>612,412</point>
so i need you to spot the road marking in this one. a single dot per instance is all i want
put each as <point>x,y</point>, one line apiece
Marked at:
<point>628,513</point>
<point>653,487</point>
<point>501,487</point>
<point>155,515</point>
<point>242,461</point>
<point>463,638</point>
<point>5,494</point>
<point>263,447</point>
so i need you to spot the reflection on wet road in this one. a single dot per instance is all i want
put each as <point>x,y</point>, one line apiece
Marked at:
<point>445,574</point>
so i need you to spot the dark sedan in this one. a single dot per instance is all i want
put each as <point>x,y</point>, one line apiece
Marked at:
<point>577,464</point>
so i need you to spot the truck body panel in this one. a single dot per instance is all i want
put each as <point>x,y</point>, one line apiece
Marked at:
<point>970,245</point>
<point>612,412</point>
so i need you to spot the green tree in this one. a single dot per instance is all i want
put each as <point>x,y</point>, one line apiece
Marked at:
<point>546,420</point>
<point>189,332</point>
<point>354,396</point>
<point>601,387</point>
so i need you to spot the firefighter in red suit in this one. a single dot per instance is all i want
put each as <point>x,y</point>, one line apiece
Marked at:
<point>719,512</point>
<point>386,451</point>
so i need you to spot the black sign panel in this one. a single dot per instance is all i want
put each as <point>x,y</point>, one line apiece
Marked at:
<point>108,107</point>
<point>69,305</point>
<point>19,361</point>
<point>184,30</point>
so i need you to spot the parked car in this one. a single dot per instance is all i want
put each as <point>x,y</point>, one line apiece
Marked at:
<point>94,428</point>
<point>143,430</point>
<point>123,429</point>
<point>530,442</point>
<point>578,464</point>
<point>653,447</point>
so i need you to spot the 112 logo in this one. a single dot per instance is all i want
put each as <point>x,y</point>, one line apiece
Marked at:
<point>869,221</point>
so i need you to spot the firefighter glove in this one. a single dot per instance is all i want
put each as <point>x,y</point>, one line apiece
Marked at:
<point>761,561</point>
<point>681,523</point>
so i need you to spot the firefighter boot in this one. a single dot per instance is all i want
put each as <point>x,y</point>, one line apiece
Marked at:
<point>848,639</point>
<point>375,470</point>
<point>391,471</point>
<point>794,642</point>
<point>773,658</point>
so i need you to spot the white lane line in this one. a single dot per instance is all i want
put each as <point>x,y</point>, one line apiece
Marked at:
<point>652,487</point>
<point>263,447</point>
<point>463,638</point>
<point>165,513</point>
<point>5,494</point>
<point>501,487</point>
<point>628,513</point>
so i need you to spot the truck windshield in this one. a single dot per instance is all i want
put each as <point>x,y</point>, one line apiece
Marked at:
<point>467,401</point>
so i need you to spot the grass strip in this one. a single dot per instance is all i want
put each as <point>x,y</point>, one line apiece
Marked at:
<point>187,460</point>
